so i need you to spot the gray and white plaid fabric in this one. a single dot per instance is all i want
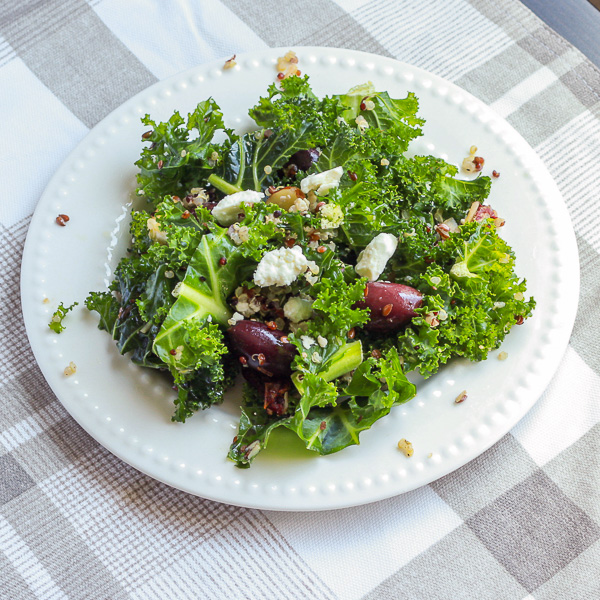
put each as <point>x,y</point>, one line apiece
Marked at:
<point>521,521</point>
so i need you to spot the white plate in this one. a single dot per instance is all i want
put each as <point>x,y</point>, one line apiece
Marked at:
<point>127,409</point>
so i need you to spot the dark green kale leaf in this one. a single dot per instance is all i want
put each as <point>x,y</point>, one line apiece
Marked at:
<point>174,163</point>
<point>107,306</point>
<point>197,367</point>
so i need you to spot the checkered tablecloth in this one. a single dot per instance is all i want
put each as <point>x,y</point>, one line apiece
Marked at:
<point>521,521</point>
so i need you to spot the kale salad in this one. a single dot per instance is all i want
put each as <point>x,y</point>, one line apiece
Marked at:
<point>313,256</point>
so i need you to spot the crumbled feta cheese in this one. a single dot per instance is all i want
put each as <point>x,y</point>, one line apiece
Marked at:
<point>297,309</point>
<point>331,216</point>
<point>235,318</point>
<point>300,205</point>
<point>316,358</point>
<point>227,210</point>
<point>372,260</point>
<point>322,341</point>
<point>307,341</point>
<point>321,183</point>
<point>280,267</point>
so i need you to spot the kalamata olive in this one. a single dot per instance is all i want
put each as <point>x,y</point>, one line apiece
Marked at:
<point>392,305</point>
<point>303,159</point>
<point>262,348</point>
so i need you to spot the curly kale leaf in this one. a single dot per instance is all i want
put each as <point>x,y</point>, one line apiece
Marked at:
<point>474,296</point>
<point>56,322</point>
<point>107,306</point>
<point>197,368</point>
<point>175,162</point>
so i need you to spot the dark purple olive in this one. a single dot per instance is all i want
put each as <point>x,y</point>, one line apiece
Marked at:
<point>262,348</point>
<point>392,305</point>
<point>303,159</point>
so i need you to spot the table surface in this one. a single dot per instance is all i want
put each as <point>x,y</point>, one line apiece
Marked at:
<point>521,521</point>
<point>578,21</point>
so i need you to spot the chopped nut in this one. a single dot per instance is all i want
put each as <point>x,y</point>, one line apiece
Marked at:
<point>461,397</point>
<point>443,230</point>
<point>287,65</point>
<point>71,369</point>
<point>406,447</point>
<point>175,292</point>
<point>46,300</point>
<point>384,162</point>
<point>62,220</point>
<point>472,211</point>
<point>229,64</point>
<point>502,355</point>
<point>472,163</point>
<point>252,450</point>
<point>432,320</point>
